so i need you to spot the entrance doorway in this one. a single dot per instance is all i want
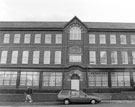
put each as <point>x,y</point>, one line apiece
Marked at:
<point>75,82</point>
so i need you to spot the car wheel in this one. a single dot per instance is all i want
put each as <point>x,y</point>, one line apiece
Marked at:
<point>93,101</point>
<point>66,101</point>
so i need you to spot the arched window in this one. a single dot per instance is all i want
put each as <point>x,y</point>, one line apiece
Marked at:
<point>75,33</point>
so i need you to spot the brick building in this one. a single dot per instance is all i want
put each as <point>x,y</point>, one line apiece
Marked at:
<point>91,56</point>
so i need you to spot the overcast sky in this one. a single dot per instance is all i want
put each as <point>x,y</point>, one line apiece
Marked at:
<point>65,10</point>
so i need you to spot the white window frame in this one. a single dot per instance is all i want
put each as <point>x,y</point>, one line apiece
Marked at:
<point>75,33</point>
<point>112,39</point>
<point>92,39</point>
<point>36,56</point>
<point>6,38</point>
<point>75,58</point>
<point>102,38</point>
<point>4,55</point>
<point>17,38</point>
<point>114,59</point>
<point>132,39</point>
<point>37,38</point>
<point>47,56</point>
<point>27,38</point>
<point>92,56</point>
<point>48,38</point>
<point>103,59</point>
<point>57,57</point>
<point>25,57</point>
<point>123,39</point>
<point>58,39</point>
<point>124,55</point>
<point>14,57</point>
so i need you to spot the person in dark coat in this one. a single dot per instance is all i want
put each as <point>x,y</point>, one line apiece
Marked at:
<point>28,93</point>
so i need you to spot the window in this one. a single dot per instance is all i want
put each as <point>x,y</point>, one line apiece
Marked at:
<point>48,38</point>
<point>74,58</point>
<point>98,79</point>
<point>103,57</point>
<point>14,57</point>
<point>57,57</point>
<point>6,38</point>
<point>112,39</point>
<point>25,57</point>
<point>102,39</point>
<point>17,38</point>
<point>120,79</point>
<point>47,57</point>
<point>3,57</point>
<point>36,57</point>
<point>52,79</point>
<point>132,39</point>
<point>8,78</point>
<point>29,79</point>
<point>92,57</point>
<point>37,38</point>
<point>58,39</point>
<point>92,38</point>
<point>124,57</point>
<point>123,39</point>
<point>114,57</point>
<point>133,57</point>
<point>75,33</point>
<point>27,38</point>
<point>134,77</point>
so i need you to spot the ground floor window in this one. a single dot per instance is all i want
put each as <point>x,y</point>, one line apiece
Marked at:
<point>52,79</point>
<point>120,79</point>
<point>8,78</point>
<point>29,79</point>
<point>98,79</point>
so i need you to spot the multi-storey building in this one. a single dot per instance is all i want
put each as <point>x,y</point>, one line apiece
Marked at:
<point>97,57</point>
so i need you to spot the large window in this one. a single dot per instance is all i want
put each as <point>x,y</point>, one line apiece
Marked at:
<point>112,39</point>
<point>14,57</point>
<point>132,39</point>
<point>102,39</point>
<point>75,58</point>
<point>48,38</point>
<point>92,57</point>
<point>17,38</point>
<point>27,38</point>
<point>36,55</point>
<point>25,57</point>
<point>47,55</point>
<point>92,38</point>
<point>52,79</point>
<point>29,79</point>
<point>3,59</point>
<point>120,79</point>
<point>98,79</point>
<point>124,57</point>
<point>6,38</point>
<point>133,57</point>
<point>8,78</point>
<point>114,59</point>
<point>57,57</point>
<point>37,38</point>
<point>103,57</point>
<point>58,39</point>
<point>75,33</point>
<point>123,39</point>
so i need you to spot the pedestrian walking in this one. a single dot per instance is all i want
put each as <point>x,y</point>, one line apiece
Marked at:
<point>28,95</point>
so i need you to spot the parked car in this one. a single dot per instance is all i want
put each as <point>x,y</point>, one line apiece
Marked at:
<point>70,96</point>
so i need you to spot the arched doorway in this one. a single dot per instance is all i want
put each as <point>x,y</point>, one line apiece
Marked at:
<point>75,82</point>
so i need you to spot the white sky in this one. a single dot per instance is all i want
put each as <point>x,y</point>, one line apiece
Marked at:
<point>65,10</point>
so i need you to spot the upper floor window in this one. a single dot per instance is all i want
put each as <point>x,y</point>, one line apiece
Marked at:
<point>17,38</point>
<point>27,38</point>
<point>47,55</point>
<point>36,55</point>
<point>48,38</point>
<point>103,57</point>
<point>114,57</point>
<point>14,57</point>
<point>3,59</point>
<point>124,57</point>
<point>102,39</point>
<point>25,57</point>
<point>37,38</point>
<point>123,39</point>
<point>112,39</point>
<point>75,58</point>
<point>133,57</point>
<point>58,39</point>
<point>92,38</point>
<point>6,38</point>
<point>75,33</point>
<point>92,57</point>
<point>57,57</point>
<point>132,39</point>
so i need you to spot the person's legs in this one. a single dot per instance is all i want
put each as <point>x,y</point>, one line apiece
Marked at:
<point>30,99</point>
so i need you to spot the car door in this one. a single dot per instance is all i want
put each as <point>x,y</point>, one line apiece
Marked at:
<point>83,97</point>
<point>75,96</point>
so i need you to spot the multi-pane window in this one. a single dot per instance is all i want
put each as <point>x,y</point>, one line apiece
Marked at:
<point>132,39</point>
<point>27,38</point>
<point>114,59</point>
<point>47,55</point>
<point>6,38</point>
<point>57,57</point>
<point>92,57</point>
<point>92,38</point>
<point>124,56</point>
<point>48,38</point>
<point>58,39</point>
<point>14,57</point>
<point>25,57</point>
<point>112,39</point>
<point>75,33</point>
<point>29,79</point>
<point>98,79</point>
<point>123,39</point>
<point>3,59</point>
<point>103,57</point>
<point>52,79</point>
<point>8,78</point>
<point>133,57</point>
<point>75,58</point>
<point>17,38</point>
<point>36,55</point>
<point>120,79</point>
<point>37,38</point>
<point>102,39</point>
<point>134,77</point>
